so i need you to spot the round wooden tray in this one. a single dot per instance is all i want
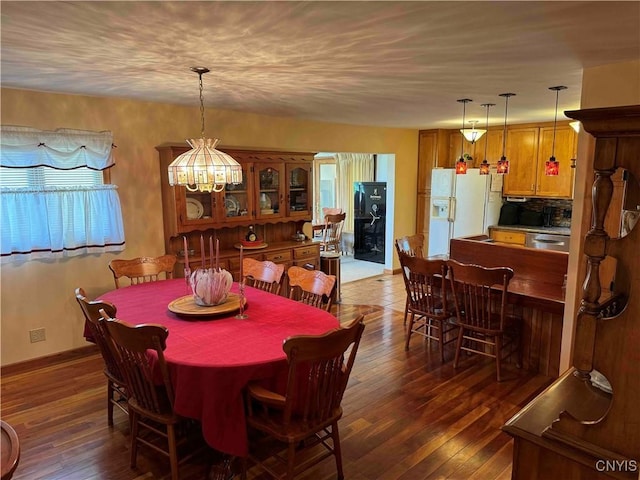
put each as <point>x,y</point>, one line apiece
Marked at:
<point>253,247</point>
<point>186,306</point>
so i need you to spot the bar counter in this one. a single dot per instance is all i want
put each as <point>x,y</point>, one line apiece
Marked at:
<point>536,291</point>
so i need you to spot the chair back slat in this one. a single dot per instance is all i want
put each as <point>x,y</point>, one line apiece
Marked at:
<point>318,373</point>
<point>264,275</point>
<point>142,269</point>
<point>140,353</point>
<point>311,287</point>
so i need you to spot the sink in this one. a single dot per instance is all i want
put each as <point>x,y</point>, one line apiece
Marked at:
<point>548,241</point>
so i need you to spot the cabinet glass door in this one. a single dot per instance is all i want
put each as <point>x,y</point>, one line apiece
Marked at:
<point>199,208</point>
<point>237,199</point>
<point>270,190</point>
<point>298,195</point>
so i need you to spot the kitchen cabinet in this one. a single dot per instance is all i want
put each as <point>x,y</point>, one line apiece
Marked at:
<point>455,139</point>
<point>528,149</point>
<point>494,147</point>
<point>433,152</point>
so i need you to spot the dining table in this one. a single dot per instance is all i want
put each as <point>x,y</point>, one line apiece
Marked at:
<point>212,358</point>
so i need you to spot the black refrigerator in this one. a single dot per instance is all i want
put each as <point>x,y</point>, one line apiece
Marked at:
<point>370,206</point>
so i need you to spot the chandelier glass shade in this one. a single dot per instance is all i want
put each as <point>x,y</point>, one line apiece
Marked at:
<point>203,168</point>
<point>472,134</point>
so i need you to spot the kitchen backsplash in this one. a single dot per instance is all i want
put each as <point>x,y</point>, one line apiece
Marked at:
<point>562,209</point>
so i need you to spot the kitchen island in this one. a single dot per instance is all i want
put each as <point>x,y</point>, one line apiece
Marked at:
<point>536,292</point>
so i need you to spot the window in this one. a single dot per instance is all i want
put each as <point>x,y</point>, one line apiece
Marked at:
<point>54,201</point>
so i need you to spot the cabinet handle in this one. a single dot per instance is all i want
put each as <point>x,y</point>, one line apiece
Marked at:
<point>278,257</point>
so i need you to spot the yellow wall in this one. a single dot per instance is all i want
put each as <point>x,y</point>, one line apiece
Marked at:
<point>40,293</point>
<point>612,85</point>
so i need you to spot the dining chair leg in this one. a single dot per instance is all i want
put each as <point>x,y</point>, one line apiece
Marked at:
<point>441,335</point>
<point>291,456</point>
<point>110,400</point>
<point>498,347</point>
<point>337,450</point>
<point>458,346</point>
<point>133,422</point>
<point>173,451</point>
<point>406,311</point>
<point>409,330</point>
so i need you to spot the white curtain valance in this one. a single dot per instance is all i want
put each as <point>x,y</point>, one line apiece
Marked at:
<point>64,148</point>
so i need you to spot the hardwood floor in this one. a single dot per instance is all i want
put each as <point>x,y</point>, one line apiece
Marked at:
<point>407,416</point>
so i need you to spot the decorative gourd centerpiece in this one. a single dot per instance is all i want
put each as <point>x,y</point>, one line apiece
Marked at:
<point>210,286</point>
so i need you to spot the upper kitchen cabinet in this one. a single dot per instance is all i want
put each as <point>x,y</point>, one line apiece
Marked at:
<point>456,141</point>
<point>565,148</point>
<point>528,149</point>
<point>522,154</point>
<point>494,147</point>
<point>276,187</point>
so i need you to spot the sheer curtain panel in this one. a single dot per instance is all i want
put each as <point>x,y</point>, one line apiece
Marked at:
<point>352,167</point>
<point>46,212</point>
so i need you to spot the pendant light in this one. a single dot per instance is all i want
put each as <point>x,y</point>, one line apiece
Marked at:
<point>461,165</point>
<point>503,163</point>
<point>472,134</point>
<point>484,166</point>
<point>203,168</point>
<point>552,166</point>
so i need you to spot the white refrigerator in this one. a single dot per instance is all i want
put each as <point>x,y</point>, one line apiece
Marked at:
<point>461,206</point>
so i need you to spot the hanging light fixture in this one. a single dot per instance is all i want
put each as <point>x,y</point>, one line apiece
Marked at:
<point>461,165</point>
<point>503,163</point>
<point>472,134</point>
<point>552,166</point>
<point>203,168</point>
<point>484,166</point>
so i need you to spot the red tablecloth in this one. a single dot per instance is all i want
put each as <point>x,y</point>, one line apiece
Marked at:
<point>211,360</point>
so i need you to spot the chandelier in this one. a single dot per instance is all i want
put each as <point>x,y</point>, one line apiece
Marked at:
<point>203,168</point>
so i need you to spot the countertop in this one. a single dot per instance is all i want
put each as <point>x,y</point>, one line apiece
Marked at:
<point>527,228</point>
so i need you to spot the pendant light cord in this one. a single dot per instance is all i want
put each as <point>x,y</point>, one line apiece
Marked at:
<point>201,106</point>
<point>464,109</point>
<point>486,140</point>
<point>504,131</point>
<point>555,121</point>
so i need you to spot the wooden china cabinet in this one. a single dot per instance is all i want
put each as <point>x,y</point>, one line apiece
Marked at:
<point>275,197</point>
<point>586,425</point>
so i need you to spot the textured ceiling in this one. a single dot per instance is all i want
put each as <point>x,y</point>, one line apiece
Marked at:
<point>397,64</point>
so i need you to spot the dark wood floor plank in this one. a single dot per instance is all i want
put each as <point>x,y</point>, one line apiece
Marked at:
<point>407,416</point>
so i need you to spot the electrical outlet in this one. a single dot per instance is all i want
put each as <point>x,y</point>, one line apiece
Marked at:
<point>37,335</point>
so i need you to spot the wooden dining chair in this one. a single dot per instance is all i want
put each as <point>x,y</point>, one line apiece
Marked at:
<point>264,275</point>
<point>428,300</point>
<point>332,233</point>
<point>480,299</point>
<point>150,404</point>
<point>142,269</point>
<point>116,383</point>
<point>413,246</point>
<point>307,414</point>
<point>312,287</point>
